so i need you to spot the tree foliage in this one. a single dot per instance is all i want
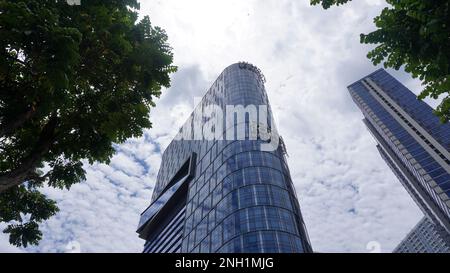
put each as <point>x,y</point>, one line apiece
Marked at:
<point>328,3</point>
<point>73,81</point>
<point>414,34</point>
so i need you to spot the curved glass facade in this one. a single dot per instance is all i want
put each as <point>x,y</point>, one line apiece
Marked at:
<point>240,197</point>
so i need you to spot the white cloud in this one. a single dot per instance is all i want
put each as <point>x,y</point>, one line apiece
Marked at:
<point>348,195</point>
<point>128,164</point>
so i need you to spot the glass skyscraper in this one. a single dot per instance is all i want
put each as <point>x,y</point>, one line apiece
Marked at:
<point>424,238</point>
<point>226,194</point>
<point>411,140</point>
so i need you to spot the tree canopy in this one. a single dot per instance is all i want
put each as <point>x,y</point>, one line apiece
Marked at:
<point>74,79</point>
<point>328,3</point>
<point>414,34</point>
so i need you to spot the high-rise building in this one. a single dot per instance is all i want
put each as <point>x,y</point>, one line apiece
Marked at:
<point>411,140</point>
<point>224,184</point>
<point>424,238</point>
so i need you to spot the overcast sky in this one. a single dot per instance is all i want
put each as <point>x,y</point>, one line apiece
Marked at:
<point>348,195</point>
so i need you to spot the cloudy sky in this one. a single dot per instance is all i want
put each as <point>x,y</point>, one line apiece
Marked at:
<point>349,198</point>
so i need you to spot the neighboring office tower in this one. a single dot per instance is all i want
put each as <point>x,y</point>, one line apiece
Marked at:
<point>411,140</point>
<point>425,235</point>
<point>231,195</point>
<point>423,238</point>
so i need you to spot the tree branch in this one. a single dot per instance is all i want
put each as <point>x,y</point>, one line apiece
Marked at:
<point>29,163</point>
<point>18,122</point>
